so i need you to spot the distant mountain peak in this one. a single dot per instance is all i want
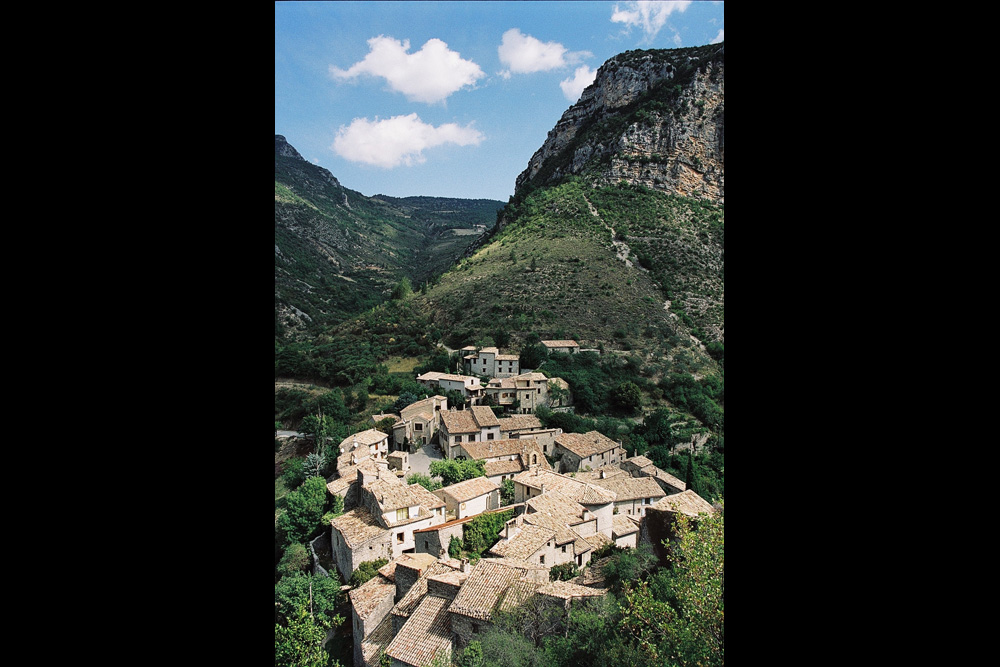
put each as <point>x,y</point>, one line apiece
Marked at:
<point>282,147</point>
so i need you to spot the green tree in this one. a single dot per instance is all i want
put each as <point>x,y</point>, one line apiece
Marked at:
<point>563,572</point>
<point>506,492</point>
<point>303,510</point>
<point>300,642</point>
<point>366,571</point>
<point>318,593</point>
<point>627,397</point>
<point>453,471</point>
<point>294,560</point>
<point>402,289</point>
<point>455,547</point>
<point>471,656</point>
<point>424,481</point>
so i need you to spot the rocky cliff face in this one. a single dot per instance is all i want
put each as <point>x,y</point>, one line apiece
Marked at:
<point>655,118</point>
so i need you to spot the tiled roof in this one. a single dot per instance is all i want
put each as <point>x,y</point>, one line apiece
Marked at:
<point>490,449</point>
<point>418,590</point>
<point>469,421</point>
<point>340,485</point>
<point>533,377</point>
<point>687,502</point>
<point>525,543</point>
<point>357,527</point>
<point>377,640</point>
<point>370,437</point>
<point>638,462</point>
<point>631,488</point>
<point>508,357</point>
<point>494,468</point>
<point>517,594</point>
<point>609,470</point>
<point>566,590</point>
<point>578,490</point>
<point>367,597</point>
<point>560,343</point>
<point>598,540</point>
<point>586,444</point>
<point>621,526</point>
<point>423,408</point>
<point>426,633</point>
<point>669,479</point>
<point>519,423</point>
<point>392,493</point>
<point>481,591</point>
<point>470,488</point>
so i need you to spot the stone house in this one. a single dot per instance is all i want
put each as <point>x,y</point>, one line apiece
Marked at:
<point>567,346</point>
<point>530,390</point>
<point>483,592</point>
<point>418,423</point>
<point>517,427</point>
<point>370,444</point>
<point>477,424</point>
<point>633,495</point>
<point>383,523</point>
<point>467,385</point>
<point>625,531</point>
<point>599,502</point>
<point>553,530</point>
<point>469,498</point>
<point>506,458</point>
<point>352,477</point>
<point>488,361</point>
<point>579,451</point>
<point>657,526</point>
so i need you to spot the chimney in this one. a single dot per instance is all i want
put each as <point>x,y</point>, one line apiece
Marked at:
<point>604,473</point>
<point>543,489</point>
<point>586,515</point>
<point>465,565</point>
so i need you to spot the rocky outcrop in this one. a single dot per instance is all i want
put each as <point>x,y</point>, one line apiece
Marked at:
<point>284,149</point>
<point>655,118</point>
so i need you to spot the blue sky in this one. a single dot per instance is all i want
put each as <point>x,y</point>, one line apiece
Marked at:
<point>451,99</point>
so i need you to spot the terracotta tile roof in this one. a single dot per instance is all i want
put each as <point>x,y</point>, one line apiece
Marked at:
<point>687,502</point>
<point>423,408</point>
<point>367,597</point>
<point>529,539</point>
<point>586,444</point>
<point>377,641</point>
<point>426,634</point>
<point>565,590</point>
<point>370,437</point>
<point>490,449</point>
<point>622,526</point>
<point>482,590</point>
<point>340,485</point>
<point>469,421</point>
<point>419,562</point>
<point>418,590</point>
<point>532,377</point>
<point>357,527</point>
<point>669,479</point>
<point>495,468</point>
<point>508,357</point>
<point>392,493</point>
<point>578,490</point>
<point>490,350</point>
<point>631,488</point>
<point>598,540</point>
<point>431,375</point>
<point>637,462</point>
<point>470,488</point>
<point>560,343</point>
<point>609,470</point>
<point>517,594</point>
<point>519,423</point>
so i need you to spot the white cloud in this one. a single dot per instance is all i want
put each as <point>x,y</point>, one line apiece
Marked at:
<point>430,75</point>
<point>573,87</point>
<point>721,37</point>
<point>398,140</point>
<point>524,54</point>
<point>650,16</point>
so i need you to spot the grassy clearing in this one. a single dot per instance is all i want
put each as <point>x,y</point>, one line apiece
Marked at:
<point>402,364</point>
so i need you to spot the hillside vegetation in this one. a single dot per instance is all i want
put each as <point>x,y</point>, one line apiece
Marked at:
<point>338,253</point>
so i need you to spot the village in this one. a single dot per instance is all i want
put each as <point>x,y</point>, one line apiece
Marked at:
<point>574,494</point>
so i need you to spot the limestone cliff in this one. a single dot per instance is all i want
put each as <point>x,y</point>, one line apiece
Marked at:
<point>655,118</point>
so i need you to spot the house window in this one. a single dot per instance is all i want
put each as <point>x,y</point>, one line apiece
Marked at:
<point>427,546</point>
<point>399,538</point>
<point>403,514</point>
<point>489,436</point>
<point>418,426</point>
<point>564,548</point>
<point>541,559</point>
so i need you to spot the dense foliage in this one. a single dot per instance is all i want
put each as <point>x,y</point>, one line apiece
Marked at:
<point>366,571</point>
<point>304,509</point>
<point>453,471</point>
<point>483,532</point>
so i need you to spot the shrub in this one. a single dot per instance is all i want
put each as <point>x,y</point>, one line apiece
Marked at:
<point>296,559</point>
<point>366,571</point>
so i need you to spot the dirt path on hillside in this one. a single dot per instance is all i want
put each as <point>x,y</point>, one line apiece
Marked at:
<point>622,251</point>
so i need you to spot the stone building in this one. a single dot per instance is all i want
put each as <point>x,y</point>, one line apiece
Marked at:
<point>383,523</point>
<point>566,346</point>
<point>469,498</point>
<point>506,458</point>
<point>529,390</point>
<point>657,526</point>
<point>467,385</point>
<point>579,451</point>
<point>370,444</point>
<point>476,424</point>
<point>418,423</point>
<point>488,361</point>
<point>529,426</point>
<point>537,482</point>
<point>633,495</point>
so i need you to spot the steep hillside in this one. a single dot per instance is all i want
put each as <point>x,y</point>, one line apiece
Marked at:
<point>337,252</point>
<point>616,232</point>
<point>654,118</point>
